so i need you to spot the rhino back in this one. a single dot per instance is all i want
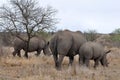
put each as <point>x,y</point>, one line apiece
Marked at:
<point>18,44</point>
<point>79,39</point>
<point>98,50</point>
<point>64,43</point>
<point>91,50</point>
<point>36,43</point>
<point>86,51</point>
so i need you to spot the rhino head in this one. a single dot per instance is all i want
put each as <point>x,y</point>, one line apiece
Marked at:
<point>46,50</point>
<point>104,60</point>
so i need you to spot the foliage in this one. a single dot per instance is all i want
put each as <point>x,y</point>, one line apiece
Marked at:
<point>116,31</point>
<point>90,35</point>
<point>45,35</point>
<point>115,37</point>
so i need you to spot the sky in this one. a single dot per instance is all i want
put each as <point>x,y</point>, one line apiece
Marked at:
<point>100,15</point>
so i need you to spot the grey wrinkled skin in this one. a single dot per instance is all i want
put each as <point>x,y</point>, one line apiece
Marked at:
<point>36,44</point>
<point>65,43</point>
<point>92,51</point>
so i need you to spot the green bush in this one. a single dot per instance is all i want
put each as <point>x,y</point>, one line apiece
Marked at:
<point>115,37</point>
<point>116,31</point>
<point>90,35</point>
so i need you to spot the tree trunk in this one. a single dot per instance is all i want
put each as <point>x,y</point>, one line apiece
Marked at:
<point>27,47</point>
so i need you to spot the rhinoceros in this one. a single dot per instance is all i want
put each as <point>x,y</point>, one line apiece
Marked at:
<point>36,44</point>
<point>65,43</point>
<point>93,51</point>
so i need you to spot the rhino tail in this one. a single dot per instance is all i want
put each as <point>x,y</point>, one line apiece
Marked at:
<point>55,45</point>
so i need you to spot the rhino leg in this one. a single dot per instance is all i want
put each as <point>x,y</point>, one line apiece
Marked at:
<point>71,58</point>
<point>104,62</point>
<point>87,62</point>
<point>81,60</point>
<point>96,62</point>
<point>14,53</point>
<point>18,53</point>
<point>26,54</point>
<point>38,52</point>
<point>55,56</point>
<point>60,62</point>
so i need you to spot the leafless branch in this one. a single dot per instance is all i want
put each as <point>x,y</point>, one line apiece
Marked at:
<point>26,16</point>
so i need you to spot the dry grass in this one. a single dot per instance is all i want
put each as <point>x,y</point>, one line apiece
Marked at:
<point>42,68</point>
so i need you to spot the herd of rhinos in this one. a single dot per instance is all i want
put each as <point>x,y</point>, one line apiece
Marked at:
<point>66,43</point>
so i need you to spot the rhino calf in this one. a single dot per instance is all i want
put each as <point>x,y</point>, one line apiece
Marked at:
<point>36,44</point>
<point>92,51</point>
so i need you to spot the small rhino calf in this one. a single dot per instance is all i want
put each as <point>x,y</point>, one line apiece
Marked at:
<point>93,51</point>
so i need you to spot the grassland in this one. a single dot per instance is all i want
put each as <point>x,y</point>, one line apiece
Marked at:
<point>42,68</point>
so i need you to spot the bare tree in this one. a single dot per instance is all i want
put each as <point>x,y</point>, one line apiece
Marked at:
<point>26,16</point>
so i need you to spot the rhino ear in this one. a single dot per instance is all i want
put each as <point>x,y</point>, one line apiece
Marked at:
<point>108,51</point>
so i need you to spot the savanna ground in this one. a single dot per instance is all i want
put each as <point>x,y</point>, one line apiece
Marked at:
<point>42,68</point>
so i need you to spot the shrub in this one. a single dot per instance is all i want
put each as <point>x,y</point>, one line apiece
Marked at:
<point>90,35</point>
<point>116,31</point>
<point>115,40</point>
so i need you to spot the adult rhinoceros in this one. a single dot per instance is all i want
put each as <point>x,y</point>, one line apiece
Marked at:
<point>92,51</point>
<point>66,43</point>
<point>36,44</point>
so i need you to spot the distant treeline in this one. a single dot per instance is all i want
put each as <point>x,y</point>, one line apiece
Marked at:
<point>6,38</point>
<point>112,39</point>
